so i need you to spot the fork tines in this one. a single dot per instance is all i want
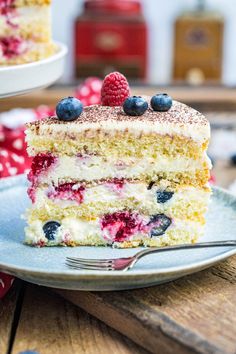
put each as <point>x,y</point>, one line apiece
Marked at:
<point>89,264</point>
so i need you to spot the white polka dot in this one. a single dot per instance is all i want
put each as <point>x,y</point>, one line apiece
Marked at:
<point>18,158</point>
<point>8,164</point>
<point>12,171</point>
<point>17,144</point>
<point>4,153</point>
<point>96,86</point>
<point>2,283</point>
<point>84,91</point>
<point>1,167</point>
<point>94,99</point>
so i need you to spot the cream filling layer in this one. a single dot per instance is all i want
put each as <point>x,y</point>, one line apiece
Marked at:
<point>81,232</point>
<point>96,168</point>
<point>111,193</point>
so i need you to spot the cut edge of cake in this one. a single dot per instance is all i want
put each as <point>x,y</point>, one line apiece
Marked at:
<point>91,143</point>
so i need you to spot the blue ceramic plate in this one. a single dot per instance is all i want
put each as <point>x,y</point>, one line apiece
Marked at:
<point>46,266</point>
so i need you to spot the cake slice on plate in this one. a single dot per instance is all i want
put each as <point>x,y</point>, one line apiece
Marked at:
<point>109,177</point>
<point>25,31</point>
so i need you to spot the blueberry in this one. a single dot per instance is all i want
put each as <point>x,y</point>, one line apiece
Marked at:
<point>29,352</point>
<point>135,106</point>
<point>69,108</point>
<point>233,160</point>
<point>160,223</point>
<point>161,102</point>
<point>50,229</point>
<point>163,196</point>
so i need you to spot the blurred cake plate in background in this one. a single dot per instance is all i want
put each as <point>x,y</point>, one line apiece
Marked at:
<point>29,59</point>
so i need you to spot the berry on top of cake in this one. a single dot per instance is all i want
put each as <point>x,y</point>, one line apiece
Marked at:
<point>122,175</point>
<point>25,31</point>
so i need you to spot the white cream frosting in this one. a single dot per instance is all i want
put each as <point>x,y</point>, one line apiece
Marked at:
<point>180,120</point>
<point>199,133</point>
<point>95,167</point>
<point>145,198</point>
<point>22,17</point>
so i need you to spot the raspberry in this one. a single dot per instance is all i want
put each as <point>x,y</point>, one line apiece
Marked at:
<point>121,225</point>
<point>115,90</point>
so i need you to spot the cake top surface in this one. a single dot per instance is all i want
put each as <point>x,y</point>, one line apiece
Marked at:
<point>180,119</point>
<point>178,114</point>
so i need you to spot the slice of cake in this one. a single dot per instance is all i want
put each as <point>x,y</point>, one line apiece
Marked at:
<point>110,177</point>
<point>25,31</point>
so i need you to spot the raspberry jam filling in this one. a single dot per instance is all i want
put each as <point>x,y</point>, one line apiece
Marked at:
<point>40,163</point>
<point>12,46</point>
<point>6,7</point>
<point>68,191</point>
<point>121,226</point>
<point>116,185</point>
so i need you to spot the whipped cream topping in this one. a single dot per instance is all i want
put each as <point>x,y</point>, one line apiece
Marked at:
<point>179,120</point>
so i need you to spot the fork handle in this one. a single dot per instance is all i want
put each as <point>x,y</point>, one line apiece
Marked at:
<point>228,243</point>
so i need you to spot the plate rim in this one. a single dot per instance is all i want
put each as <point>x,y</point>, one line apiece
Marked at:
<point>9,182</point>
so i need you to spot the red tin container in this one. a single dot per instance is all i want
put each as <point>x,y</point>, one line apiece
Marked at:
<point>111,35</point>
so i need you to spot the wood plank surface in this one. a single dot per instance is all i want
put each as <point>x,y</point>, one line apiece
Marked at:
<point>195,314</point>
<point>203,98</point>
<point>7,312</point>
<point>49,324</point>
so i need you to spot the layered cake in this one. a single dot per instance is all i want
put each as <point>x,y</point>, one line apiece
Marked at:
<point>118,175</point>
<point>25,31</point>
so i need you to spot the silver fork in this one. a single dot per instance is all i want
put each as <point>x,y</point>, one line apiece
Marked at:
<point>128,262</point>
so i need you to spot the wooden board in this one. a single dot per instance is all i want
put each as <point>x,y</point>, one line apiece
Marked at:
<point>49,324</point>
<point>8,306</point>
<point>195,314</point>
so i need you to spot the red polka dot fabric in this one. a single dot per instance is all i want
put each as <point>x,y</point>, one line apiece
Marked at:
<point>13,155</point>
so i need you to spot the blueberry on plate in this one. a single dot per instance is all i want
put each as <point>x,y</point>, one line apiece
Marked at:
<point>69,108</point>
<point>159,223</point>
<point>135,106</point>
<point>50,229</point>
<point>163,196</point>
<point>161,102</point>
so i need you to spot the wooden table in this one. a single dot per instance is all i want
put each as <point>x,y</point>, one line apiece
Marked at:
<point>195,314</point>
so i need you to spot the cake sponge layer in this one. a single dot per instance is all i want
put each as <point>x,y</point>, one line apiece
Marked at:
<point>20,3</point>
<point>119,145</point>
<point>29,52</point>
